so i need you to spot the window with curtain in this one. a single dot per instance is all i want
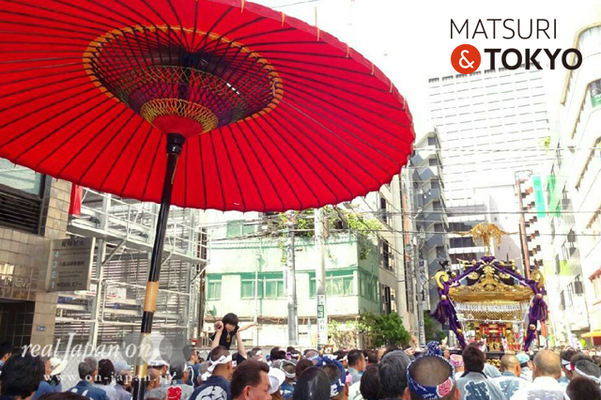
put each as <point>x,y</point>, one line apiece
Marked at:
<point>274,288</point>
<point>247,289</point>
<point>214,290</point>
<point>343,285</point>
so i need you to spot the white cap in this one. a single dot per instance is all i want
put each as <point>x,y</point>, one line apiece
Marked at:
<point>276,378</point>
<point>57,365</point>
<point>157,361</point>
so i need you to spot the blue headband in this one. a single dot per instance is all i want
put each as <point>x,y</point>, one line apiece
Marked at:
<point>431,392</point>
<point>337,386</point>
<point>433,349</point>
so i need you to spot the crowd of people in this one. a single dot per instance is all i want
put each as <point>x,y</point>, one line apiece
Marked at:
<point>411,373</point>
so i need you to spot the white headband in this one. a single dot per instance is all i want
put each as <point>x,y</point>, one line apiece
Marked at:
<point>288,375</point>
<point>213,364</point>
<point>589,377</point>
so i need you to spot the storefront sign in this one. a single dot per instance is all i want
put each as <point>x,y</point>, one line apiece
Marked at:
<point>70,264</point>
<point>15,286</point>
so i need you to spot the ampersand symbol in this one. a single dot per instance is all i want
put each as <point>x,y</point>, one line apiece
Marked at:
<point>468,63</point>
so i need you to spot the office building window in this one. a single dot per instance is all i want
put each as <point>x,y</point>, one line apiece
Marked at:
<point>386,299</point>
<point>20,178</point>
<point>386,264</point>
<point>578,286</point>
<point>22,197</point>
<point>462,242</point>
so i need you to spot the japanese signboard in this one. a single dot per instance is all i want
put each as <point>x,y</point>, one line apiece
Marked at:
<point>17,287</point>
<point>70,264</point>
<point>322,321</point>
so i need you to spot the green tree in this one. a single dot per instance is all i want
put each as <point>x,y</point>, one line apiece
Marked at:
<point>365,229</point>
<point>431,329</point>
<point>385,329</point>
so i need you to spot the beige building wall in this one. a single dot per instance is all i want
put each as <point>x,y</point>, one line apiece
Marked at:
<point>23,268</point>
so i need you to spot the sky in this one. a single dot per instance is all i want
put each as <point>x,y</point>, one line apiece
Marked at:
<point>410,41</point>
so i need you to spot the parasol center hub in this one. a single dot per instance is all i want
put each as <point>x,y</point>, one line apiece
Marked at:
<point>179,84</point>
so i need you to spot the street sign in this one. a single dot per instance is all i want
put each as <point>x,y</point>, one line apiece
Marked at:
<point>116,292</point>
<point>90,292</point>
<point>322,321</point>
<point>70,264</point>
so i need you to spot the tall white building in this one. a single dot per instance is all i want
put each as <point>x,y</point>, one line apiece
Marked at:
<point>481,117</point>
<point>575,195</point>
<point>493,124</point>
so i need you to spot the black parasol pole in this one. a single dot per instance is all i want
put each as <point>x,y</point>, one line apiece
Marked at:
<point>175,143</point>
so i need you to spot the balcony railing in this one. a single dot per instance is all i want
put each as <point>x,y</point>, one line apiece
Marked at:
<point>435,241</point>
<point>135,222</point>
<point>431,195</point>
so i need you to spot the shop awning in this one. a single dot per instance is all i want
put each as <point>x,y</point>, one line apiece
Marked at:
<point>592,334</point>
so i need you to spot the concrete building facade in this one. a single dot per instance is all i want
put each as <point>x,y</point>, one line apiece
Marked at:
<point>247,277</point>
<point>492,125</point>
<point>33,211</point>
<point>246,269</point>
<point>431,221</point>
<point>574,195</point>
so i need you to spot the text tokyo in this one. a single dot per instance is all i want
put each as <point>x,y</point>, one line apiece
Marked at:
<point>532,58</point>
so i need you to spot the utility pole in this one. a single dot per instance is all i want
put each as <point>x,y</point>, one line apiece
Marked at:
<point>412,277</point>
<point>420,286</point>
<point>421,283</point>
<point>320,281</point>
<point>291,283</point>
<point>525,252</point>
<point>400,260</point>
<point>420,312</point>
<point>256,290</point>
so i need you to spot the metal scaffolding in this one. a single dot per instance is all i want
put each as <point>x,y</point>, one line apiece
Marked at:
<point>112,308</point>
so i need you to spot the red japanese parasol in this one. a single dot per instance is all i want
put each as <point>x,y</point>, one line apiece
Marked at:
<point>263,111</point>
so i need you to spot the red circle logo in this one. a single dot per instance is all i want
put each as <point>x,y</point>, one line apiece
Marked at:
<point>466,59</point>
